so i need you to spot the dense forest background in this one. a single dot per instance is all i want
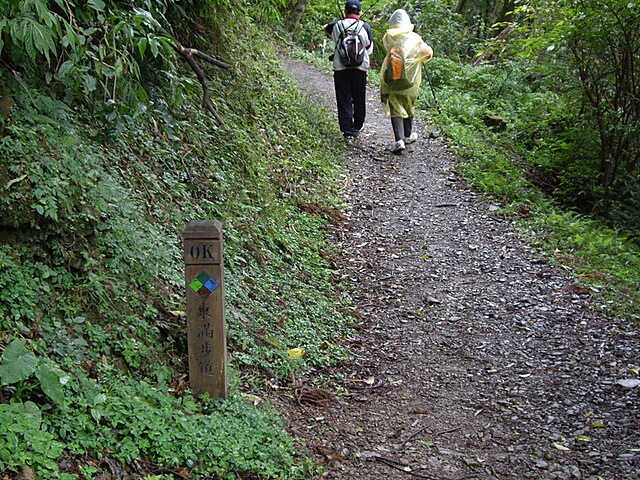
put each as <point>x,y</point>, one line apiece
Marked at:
<point>122,121</point>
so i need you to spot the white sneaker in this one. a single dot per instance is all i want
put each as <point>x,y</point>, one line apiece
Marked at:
<point>411,138</point>
<point>398,146</point>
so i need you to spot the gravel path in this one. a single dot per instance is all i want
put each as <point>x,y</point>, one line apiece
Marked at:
<point>475,359</point>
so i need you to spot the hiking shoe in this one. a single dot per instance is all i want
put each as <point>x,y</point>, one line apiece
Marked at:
<point>411,138</point>
<point>398,146</point>
<point>349,138</point>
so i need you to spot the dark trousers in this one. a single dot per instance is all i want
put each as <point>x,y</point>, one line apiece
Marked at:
<point>351,90</point>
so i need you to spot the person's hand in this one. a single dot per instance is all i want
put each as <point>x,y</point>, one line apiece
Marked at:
<point>426,53</point>
<point>328,28</point>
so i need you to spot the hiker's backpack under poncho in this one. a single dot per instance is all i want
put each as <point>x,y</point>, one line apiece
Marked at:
<point>350,46</point>
<point>395,75</point>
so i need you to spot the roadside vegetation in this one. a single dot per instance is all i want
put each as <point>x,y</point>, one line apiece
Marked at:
<point>117,128</point>
<point>106,154</point>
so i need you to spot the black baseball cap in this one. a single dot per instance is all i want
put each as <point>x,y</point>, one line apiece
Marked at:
<point>352,6</point>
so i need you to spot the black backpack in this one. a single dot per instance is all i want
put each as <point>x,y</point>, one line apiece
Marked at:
<point>350,46</point>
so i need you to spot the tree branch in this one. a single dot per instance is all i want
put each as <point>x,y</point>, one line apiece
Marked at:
<point>190,55</point>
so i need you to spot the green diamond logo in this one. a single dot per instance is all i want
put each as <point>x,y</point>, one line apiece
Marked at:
<point>203,284</point>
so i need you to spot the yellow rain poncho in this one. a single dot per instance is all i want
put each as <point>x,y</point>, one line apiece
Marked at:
<point>401,37</point>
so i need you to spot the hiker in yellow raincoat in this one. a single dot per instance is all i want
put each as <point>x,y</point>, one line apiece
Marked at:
<point>401,75</point>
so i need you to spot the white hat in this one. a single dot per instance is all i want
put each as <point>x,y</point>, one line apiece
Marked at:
<point>399,18</point>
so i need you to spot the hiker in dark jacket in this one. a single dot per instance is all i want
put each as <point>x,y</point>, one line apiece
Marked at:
<point>350,81</point>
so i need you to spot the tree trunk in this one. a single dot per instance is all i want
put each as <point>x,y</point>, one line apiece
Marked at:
<point>461,7</point>
<point>503,12</point>
<point>296,15</point>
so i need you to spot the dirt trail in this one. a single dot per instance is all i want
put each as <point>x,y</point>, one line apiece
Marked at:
<point>476,359</point>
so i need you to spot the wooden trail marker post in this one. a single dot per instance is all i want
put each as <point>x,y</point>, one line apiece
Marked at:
<point>206,325</point>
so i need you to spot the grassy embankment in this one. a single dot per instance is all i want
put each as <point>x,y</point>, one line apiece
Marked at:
<point>92,289</point>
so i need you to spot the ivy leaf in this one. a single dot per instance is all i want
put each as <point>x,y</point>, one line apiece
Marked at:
<point>51,381</point>
<point>154,45</point>
<point>32,410</point>
<point>18,363</point>
<point>90,83</point>
<point>97,5</point>
<point>3,24</point>
<point>142,45</point>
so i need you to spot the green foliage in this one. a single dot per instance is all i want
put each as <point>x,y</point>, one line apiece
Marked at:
<point>26,442</point>
<point>310,33</point>
<point>18,367</point>
<point>107,55</point>
<point>267,12</point>
<point>19,300</point>
<point>491,169</point>
<point>66,340</point>
<point>85,236</point>
<point>604,43</point>
<point>585,51</point>
<point>605,260</point>
<point>518,164</point>
<point>134,420</point>
<point>17,363</point>
<point>482,17</point>
<point>99,284</point>
<point>440,27</point>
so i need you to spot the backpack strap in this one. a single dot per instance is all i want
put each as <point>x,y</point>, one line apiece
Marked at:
<point>343,29</point>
